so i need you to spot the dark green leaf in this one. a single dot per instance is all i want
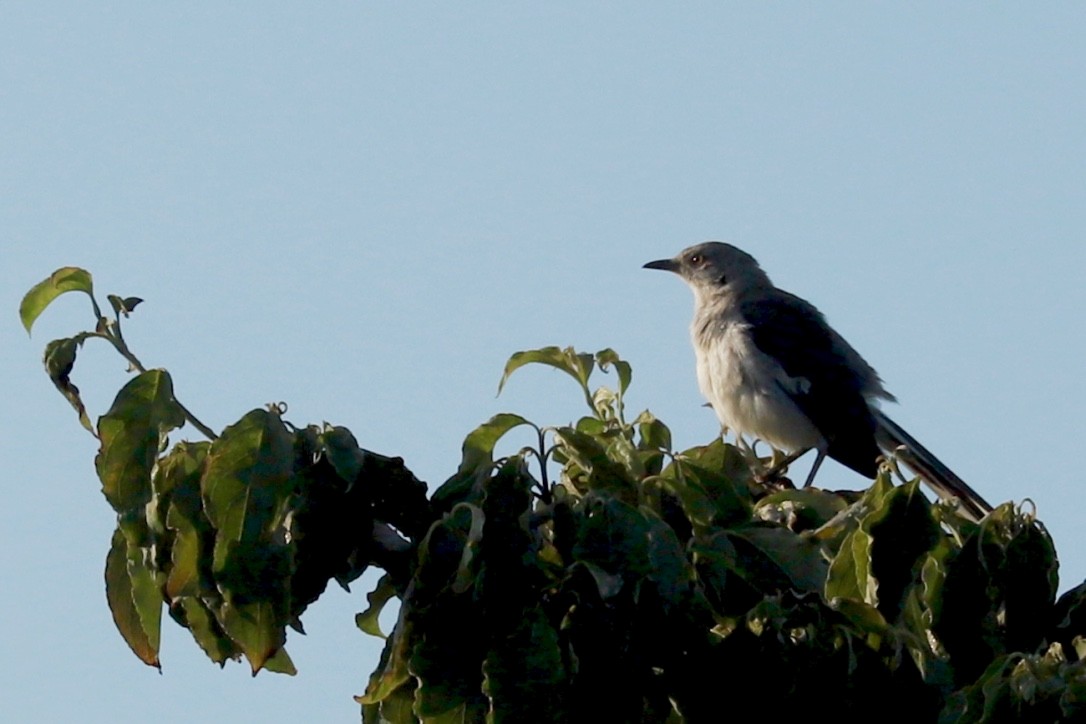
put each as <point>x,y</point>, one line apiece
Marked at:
<point>710,482</point>
<point>131,434</point>
<point>796,557</point>
<point>613,536</point>
<point>669,568</point>
<point>476,460</point>
<point>342,449</point>
<point>65,279</point>
<point>654,434</point>
<point>478,449</point>
<point>136,612</point>
<point>178,475</point>
<point>123,306</point>
<point>59,360</point>
<point>392,673</point>
<point>524,675</point>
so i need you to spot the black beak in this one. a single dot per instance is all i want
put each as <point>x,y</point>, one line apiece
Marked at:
<point>666,264</point>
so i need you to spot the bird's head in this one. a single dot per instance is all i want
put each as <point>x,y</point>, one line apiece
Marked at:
<point>714,267</point>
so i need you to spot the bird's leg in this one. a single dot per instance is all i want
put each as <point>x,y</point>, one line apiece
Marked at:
<point>779,464</point>
<point>814,468</point>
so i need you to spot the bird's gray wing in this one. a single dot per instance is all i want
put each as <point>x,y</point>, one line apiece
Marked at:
<point>796,335</point>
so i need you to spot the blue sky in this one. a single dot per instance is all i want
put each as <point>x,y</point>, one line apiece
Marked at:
<point>362,209</point>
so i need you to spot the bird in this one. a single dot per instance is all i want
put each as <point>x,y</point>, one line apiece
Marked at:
<point>772,367</point>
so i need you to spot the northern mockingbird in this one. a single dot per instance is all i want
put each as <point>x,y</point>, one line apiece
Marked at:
<point>771,367</point>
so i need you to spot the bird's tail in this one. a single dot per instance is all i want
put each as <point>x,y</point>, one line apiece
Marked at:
<point>892,438</point>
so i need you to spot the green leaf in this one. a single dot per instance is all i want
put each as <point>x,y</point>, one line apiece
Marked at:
<point>524,676</point>
<point>281,663</point>
<point>341,447</point>
<point>800,510</point>
<point>608,357</point>
<point>710,483</point>
<point>797,558</point>
<point>368,620</point>
<point>178,474</point>
<point>577,366</point>
<point>59,360</point>
<point>245,488</point>
<point>65,279</point>
<point>478,448</point>
<point>123,306</point>
<point>589,454</point>
<point>669,568</point>
<point>903,532</point>
<point>134,601</point>
<point>195,615</point>
<point>257,627</point>
<point>247,481</point>
<point>476,459</point>
<point>391,675</point>
<point>850,571</point>
<point>395,707</point>
<point>131,434</point>
<point>654,434</point>
<point>613,536</point>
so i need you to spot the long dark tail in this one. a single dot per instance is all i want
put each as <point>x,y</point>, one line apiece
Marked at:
<point>892,438</point>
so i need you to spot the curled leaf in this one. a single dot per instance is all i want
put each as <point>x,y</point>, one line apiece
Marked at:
<point>42,294</point>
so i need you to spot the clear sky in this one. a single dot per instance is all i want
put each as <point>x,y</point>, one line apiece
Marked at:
<point>362,209</point>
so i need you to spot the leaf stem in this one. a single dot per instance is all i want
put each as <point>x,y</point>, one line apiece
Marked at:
<point>119,344</point>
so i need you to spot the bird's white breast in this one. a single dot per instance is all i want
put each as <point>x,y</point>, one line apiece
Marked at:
<point>746,389</point>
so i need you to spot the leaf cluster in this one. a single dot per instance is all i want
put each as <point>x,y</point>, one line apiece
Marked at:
<point>597,575</point>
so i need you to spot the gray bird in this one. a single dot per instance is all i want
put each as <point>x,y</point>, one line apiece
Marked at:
<point>772,368</point>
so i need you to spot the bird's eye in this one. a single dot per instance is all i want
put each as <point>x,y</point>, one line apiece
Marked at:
<point>696,259</point>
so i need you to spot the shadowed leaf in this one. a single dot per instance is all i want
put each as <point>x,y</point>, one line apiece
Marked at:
<point>132,433</point>
<point>136,615</point>
<point>59,360</point>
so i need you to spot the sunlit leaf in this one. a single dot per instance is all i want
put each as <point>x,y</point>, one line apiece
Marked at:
<point>65,279</point>
<point>368,620</point>
<point>281,663</point>
<point>577,366</point>
<point>850,571</point>
<point>609,358</point>
<point>247,480</point>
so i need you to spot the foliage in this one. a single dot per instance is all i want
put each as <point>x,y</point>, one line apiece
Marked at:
<point>595,576</point>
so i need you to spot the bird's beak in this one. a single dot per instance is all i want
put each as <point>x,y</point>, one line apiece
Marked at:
<point>666,264</point>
